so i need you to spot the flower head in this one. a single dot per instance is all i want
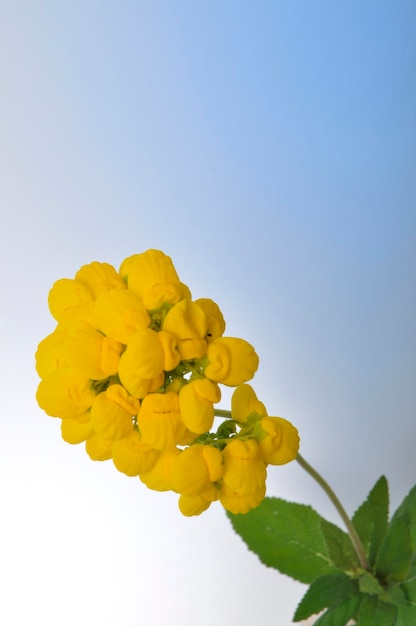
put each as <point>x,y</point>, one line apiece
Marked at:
<point>134,368</point>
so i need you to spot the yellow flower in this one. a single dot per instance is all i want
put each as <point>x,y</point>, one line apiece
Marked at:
<point>160,421</point>
<point>159,476</point>
<point>141,362</point>
<point>147,356</point>
<point>196,402</point>
<point>49,355</point>
<point>244,469</point>
<point>119,313</point>
<point>244,402</point>
<point>215,319</point>
<point>195,505</point>
<point>65,393</point>
<point>75,431</point>
<point>132,456</point>
<point>99,277</point>
<point>112,412</point>
<point>188,323</point>
<point>171,356</point>
<point>231,361</point>
<point>152,275</point>
<point>241,503</point>
<point>97,448</point>
<point>78,317</point>
<point>67,294</point>
<point>195,469</point>
<point>279,441</point>
<point>92,354</point>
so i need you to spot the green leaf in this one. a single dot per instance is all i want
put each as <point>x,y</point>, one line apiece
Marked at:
<point>326,592</point>
<point>373,612</point>
<point>369,584</point>
<point>394,595</point>
<point>408,507</point>
<point>406,616</point>
<point>341,614</point>
<point>409,589</point>
<point>340,548</point>
<point>286,536</point>
<point>395,556</point>
<point>371,519</point>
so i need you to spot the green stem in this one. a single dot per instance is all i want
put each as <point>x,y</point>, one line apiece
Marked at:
<point>355,540</point>
<point>222,413</point>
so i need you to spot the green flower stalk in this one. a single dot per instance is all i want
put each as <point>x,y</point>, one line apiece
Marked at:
<point>355,539</point>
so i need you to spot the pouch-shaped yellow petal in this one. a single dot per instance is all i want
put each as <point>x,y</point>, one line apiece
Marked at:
<point>65,393</point>
<point>92,354</point>
<point>231,361</point>
<point>142,360</point>
<point>186,320</point>
<point>65,294</point>
<point>188,323</point>
<point>74,431</point>
<point>110,356</point>
<point>156,382</point>
<point>244,469</point>
<point>241,503</point>
<point>98,449</point>
<point>160,421</point>
<point>158,294</point>
<point>280,443</point>
<point>195,468</point>
<point>215,319</point>
<point>119,394</point>
<point>148,268</point>
<point>99,277</point>
<point>171,356</point>
<point>152,275</point>
<point>131,456</point>
<point>111,414</point>
<point>139,387</point>
<point>194,505</point>
<point>78,317</point>
<point>196,401</point>
<point>49,355</point>
<point>119,313</point>
<point>159,476</point>
<point>244,402</point>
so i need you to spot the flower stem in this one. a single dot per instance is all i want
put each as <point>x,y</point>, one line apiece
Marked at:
<point>355,540</point>
<point>222,413</point>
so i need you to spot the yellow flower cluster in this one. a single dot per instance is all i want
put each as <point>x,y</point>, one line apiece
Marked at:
<point>133,369</point>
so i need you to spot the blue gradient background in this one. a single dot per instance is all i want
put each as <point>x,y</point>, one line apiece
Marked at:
<point>269,148</point>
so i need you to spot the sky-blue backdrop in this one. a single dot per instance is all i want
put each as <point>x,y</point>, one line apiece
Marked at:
<point>269,148</point>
